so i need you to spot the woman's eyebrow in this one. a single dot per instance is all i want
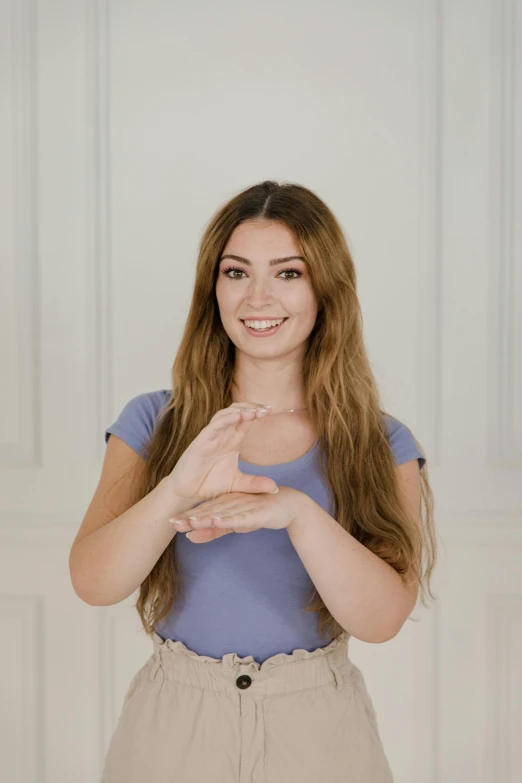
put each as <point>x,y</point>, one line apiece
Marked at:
<point>273,262</point>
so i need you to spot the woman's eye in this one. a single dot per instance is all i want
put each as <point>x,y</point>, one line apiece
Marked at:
<point>226,273</point>
<point>294,272</point>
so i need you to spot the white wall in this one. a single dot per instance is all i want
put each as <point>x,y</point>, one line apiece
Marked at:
<point>124,125</point>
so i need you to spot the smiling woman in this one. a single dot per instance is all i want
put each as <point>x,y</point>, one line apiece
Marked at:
<point>263,327</point>
<point>270,296</point>
<point>340,550</point>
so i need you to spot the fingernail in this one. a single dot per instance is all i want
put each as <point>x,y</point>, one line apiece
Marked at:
<point>273,492</point>
<point>187,535</point>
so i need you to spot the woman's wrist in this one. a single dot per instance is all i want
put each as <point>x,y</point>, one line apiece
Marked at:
<point>176,502</point>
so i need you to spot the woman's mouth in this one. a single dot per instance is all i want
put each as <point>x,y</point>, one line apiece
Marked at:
<point>264,328</point>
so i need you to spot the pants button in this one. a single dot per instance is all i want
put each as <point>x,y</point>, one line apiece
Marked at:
<point>244,681</point>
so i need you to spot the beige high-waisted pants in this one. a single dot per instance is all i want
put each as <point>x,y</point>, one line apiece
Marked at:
<point>306,717</point>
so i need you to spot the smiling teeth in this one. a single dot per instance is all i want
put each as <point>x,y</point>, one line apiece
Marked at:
<point>263,324</point>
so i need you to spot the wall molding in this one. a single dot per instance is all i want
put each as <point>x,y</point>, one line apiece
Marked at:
<point>98,233</point>
<point>505,304</point>
<point>22,620</point>
<point>25,451</point>
<point>429,306</point>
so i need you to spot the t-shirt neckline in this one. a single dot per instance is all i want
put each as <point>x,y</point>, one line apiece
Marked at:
<point>283,467</point>
<point>280,467</point>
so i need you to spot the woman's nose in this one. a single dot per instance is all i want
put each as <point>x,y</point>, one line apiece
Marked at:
<point>259,287</point>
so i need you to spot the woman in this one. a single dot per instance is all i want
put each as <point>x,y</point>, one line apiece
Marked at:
<point>273,430</point>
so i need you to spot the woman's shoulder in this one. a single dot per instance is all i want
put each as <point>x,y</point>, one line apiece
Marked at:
<point>135,422</point>
<point>402,441</point>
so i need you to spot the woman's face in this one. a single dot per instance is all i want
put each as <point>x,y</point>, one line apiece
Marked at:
<point>257,288</point>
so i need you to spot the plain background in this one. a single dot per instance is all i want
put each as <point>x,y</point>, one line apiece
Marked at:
<point>124,126</point>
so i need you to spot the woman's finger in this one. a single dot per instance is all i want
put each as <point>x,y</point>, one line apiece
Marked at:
<point>209,534</point>
<point>181,525</point>
<point>205,521</point>
<point>220,513</point>
<point>222,418</point>
<point>229,503</point>
<point>249,405</point>
<point>196,522</point>
<point>237,418</point>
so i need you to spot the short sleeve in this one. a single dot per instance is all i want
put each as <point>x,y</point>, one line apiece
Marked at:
<point>402,443</point>
<point>135,423</point>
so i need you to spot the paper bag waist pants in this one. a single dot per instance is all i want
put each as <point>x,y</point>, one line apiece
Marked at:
<point>304,717</point>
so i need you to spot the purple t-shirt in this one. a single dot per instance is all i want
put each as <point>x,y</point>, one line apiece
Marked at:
<point>243,593</point>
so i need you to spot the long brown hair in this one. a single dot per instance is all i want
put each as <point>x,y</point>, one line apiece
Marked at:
<point>340,392</point>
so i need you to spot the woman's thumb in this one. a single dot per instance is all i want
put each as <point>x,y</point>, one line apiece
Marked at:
<point>255,484</point>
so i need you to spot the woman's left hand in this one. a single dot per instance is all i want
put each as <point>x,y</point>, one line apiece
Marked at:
<point>238,512</point>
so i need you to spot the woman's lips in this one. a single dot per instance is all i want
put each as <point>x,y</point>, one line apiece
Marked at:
<point>263,332</point>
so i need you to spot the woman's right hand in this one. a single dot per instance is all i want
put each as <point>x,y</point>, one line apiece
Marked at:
<point>209,466</point>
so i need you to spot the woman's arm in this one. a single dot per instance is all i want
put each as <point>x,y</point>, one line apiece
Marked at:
<point>364,593</point>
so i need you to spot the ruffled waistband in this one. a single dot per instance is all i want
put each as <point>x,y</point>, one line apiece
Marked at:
<point>233,659</point>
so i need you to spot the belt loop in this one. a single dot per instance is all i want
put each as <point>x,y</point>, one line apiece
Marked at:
<point>337,674</point>
<point>156,663</point>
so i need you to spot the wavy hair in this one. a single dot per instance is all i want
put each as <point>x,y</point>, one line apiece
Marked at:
<point>340,392</point>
